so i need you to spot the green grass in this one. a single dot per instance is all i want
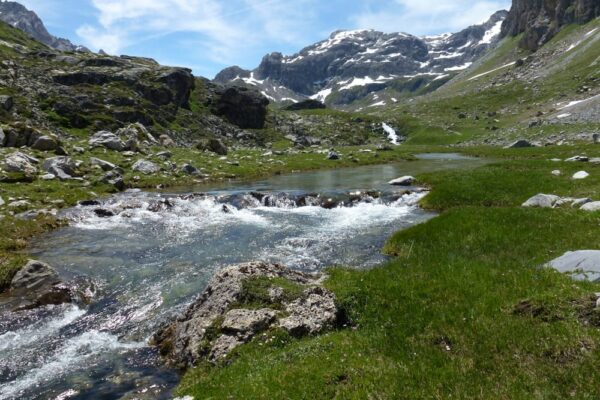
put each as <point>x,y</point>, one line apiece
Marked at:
<point>462,311</point>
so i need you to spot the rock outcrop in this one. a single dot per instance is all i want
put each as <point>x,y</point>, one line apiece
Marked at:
<point>540,20</point>
<point>243,107</point>
<point>219,321</point>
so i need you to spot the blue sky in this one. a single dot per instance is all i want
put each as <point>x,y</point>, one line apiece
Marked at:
<point>208,35</point>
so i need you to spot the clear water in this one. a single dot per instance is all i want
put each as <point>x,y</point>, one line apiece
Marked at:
<point>147,266</point>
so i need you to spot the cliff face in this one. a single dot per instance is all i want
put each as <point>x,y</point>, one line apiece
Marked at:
<point>540,20</point>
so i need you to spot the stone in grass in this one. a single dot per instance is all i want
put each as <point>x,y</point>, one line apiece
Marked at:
<point>104,165</point>
<point>520,144</point>
<point>578,203</point>
<point>332,155</point>
<point>578,159</point>
<point>403,181</point>
<point>591,206</point>
<point>581,265</point>
<point>580,175</point>
<point>556,172</point>
<point>145,167</point>
<point>542,201</point>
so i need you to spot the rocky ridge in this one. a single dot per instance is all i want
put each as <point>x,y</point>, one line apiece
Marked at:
<point>540,20</point>
<point>21,18</point>
<point>351,65</point>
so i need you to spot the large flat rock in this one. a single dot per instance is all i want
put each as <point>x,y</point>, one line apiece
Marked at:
<point>581,265</point>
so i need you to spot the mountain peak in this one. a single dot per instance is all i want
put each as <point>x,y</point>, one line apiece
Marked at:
<point>352,65</point>
<point>18,16</point>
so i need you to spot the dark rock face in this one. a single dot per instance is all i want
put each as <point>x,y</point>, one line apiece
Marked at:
<point>242,107</point>
<point>540,20</point>
<point>354,64</point>
<point>20,17</point>
<point>306,105</point>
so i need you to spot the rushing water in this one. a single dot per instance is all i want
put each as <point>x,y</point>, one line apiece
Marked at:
<point>148,261</point>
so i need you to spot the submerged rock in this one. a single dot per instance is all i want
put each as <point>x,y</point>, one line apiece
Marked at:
<point>217,323</point>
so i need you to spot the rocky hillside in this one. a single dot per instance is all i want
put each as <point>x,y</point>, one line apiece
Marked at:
<point>540,20</point>
<point>351,65</point>
<point>21,18</point>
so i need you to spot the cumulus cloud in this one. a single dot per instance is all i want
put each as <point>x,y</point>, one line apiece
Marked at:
<point>223,28</point>
<point>426,16</point>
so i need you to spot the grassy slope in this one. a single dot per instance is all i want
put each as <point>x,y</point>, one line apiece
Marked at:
<point>443,319</point>
<point>435,117</point>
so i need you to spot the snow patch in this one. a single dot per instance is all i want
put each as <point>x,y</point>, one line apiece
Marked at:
<point>492,33</point>
<point>459,67</point>
<point>322,95</point>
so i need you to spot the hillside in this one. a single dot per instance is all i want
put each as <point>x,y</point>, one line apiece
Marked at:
<point>550,95</point>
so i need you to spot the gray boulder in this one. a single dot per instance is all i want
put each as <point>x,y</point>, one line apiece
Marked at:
<point>20,162</point>
<point>188,339</point>
<point>2,202</point>
<point>189,169</point>
<point>2,138</point>
<point>61,167</point>
<point>45,143</point>
<point>580,265</point>
<point>520,144</point>
<point>6,102</point>
<point>332,155</point>
<point>145,167</point>
<point>107,139</point>
<point>578,159</point>
<point>578,203</point>
<point>213,145</point>
<point>34,275</point>
<point>104,165</point>
<point>591,206</point>
<point>542,201</point>
<point>403,181</point>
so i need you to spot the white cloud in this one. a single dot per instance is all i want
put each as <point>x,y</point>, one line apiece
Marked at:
<point>222,29</point>
<point>421,17</point>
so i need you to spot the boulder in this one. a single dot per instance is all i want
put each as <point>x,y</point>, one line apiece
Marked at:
<point>591,206</point>
<point>578,159</point>
<point>215,323</point>
<point>580,265</point>
<point>20,162</point>
<point>181,82</point>
<point>61,167</point>
<point>189,169</point>
<point>580,175</point>
<point>520,144</point>
<point>2,202</point>
<point>578,203</point>
<point>542,201</point>
<point>34,275</point>
<point>332,155</point>
<point>145,167</point>
<point>403,181</point>
<point>2,138</point>
<point>45,143</point>
<point>138,132</point>
<point>213,145</point>
<point>107,139</point>
<point>556,172</point>
<point>104,165</point>
<point>6,102</point>
<point>166,141</point>
<point>241,106</point>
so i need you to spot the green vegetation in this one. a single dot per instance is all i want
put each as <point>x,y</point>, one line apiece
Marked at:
<point>462,311</point>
